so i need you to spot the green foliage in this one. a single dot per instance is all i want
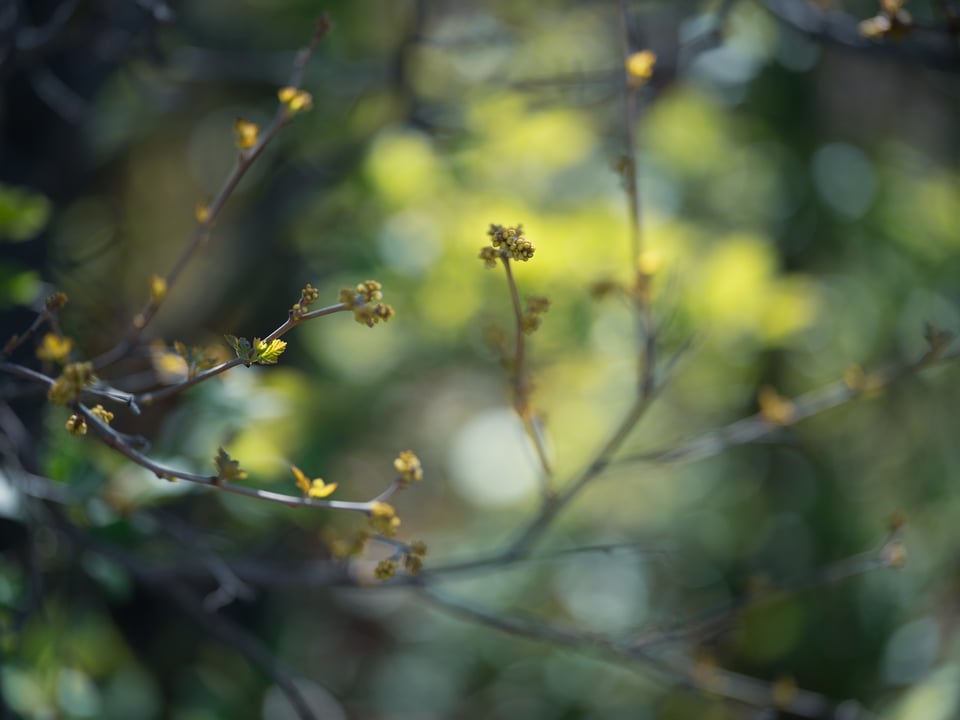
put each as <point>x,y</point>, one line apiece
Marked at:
<point>23,214</point>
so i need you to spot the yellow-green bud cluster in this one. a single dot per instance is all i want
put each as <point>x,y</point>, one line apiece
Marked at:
<point>536,307</point>
<point>413,559</point>
<point>385,569</point>
<point>67,387</point>
<point>308,296</point>
<point>510,242</point>
<point>76,425</point>
<point>408,466</point>
<point>363,301</point>
<point>102,414</point>
<point>383,518</point>
<point>56,301</point>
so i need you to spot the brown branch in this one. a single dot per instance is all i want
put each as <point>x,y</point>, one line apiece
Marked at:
<point>521,387</point>
<point>114,440</point>
<point>217,625</point>
<point>534,530</point>
<point>756,427</point>
<point>203,229</point>
<point>151,397</point>
<point>733,686</point>
<point>646,337</point>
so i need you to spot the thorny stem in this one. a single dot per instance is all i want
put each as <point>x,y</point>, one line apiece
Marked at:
<point>521,388</point>
<point>201,232</point>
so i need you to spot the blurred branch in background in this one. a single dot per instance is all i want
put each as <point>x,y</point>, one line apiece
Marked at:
<point>934,46</point>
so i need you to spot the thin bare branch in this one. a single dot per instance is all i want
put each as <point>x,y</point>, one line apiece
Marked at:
<point>204,227</point>
<point>521,383</point>
<point>756,427</point>
<point>679,669</point>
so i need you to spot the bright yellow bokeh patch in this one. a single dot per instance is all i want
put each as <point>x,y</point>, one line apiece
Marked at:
<point>688,133</point>
<point>737,292</point>
<point>273,431</point>
<point>403,167</point>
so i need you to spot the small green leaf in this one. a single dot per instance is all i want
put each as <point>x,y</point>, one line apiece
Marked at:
<point>243,349</point>
<point>228,469</point>
<point>268,352</point>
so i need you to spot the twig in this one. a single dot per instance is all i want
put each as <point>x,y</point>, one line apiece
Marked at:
<point>531,534</point>
<point>498,563</point>
<point>708,625</point>
<point>840,29</point>
<point>217,625</point>
<point>151,397</point>
<point>521,389</point>
<point>747,690</point>
<point>114,440</point>
<point>229,585</point>
<point>646,337</point>
<point>756,427</point>
<point>203,229</point>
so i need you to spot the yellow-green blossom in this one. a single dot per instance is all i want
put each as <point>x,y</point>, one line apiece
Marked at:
<point>55,348</point>
<point>315,488</point>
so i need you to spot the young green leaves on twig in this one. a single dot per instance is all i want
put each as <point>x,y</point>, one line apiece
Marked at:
<point>258,352</point>
<point>228,469</point>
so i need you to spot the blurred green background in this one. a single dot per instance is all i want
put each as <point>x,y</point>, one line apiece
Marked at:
<point>801,199</point>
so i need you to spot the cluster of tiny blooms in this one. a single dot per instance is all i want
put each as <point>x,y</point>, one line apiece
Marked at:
<point>308,296</point>
<point>102,414</point>
<point>56,301</point>
<point>76,425</point>
<point>385,569</point>
<point>383,518</point>
<point>413,560</point>
<point>407,465</point>
<point>892,21</point>
<point>67,387</point>
<point>536,307</point>
<point>295,100</point>
<point>55,348</point>
<point>506,243</point>
<point>363,301</point>
<point>247,133</point>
